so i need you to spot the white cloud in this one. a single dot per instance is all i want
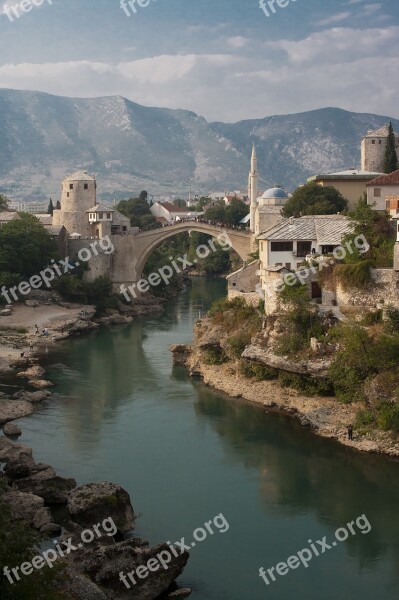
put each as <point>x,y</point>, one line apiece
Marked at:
<point>334,19</point>
<point>237,42</point>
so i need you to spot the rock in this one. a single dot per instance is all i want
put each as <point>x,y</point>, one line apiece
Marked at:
<point>115,319</point>
<point>52,488</point>
<point>95,502</point>
<point>181,593</point>
<point>51,529</point>
<point>32,303</point>
<point>23,506</point>
<point>181,353</point>
<point>104,566</point>
<point>23,467</point>
<point>33,397</point>
<point>14,409</point>
<point>42,518</point>
<point>34,372</point>
<point>11,429</point>
<point>6,312</point>
<point>9,451</point>
<point>317,367</point>
<point>40,384</point>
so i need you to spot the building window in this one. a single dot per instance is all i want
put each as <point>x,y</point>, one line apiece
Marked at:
<point>288,266</point>
<point>377,192</point>
<point>234,284</point>
<point>86,186</point>
<point>380,141</point>
<point>108,215</point>
<point>67,194</point>
<point>101,216</point>
<point>387,204</point>
<point>373,141</point>
<point>71,186</point>
<point>303,248</point>
<point>281,246</point>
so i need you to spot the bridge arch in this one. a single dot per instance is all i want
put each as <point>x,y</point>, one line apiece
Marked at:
<point>147,241</point>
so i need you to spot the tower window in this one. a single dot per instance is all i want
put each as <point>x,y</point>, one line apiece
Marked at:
<point>373,141</point>
<point>86,186</point>
<point>380,141</point>
<point>67,194</point>
<point>108,215</point>
<point>71,186</point>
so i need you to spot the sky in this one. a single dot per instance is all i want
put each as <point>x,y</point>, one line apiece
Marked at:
<point>223,59</point>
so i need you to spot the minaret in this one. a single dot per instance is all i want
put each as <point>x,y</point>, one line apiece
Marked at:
<point>253,188</point>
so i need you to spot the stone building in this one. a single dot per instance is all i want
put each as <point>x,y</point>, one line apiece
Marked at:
<point>373,149</point>
<point>78,195</point>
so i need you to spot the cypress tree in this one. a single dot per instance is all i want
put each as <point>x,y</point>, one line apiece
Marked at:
<point>58,205</point>
<point>50,209</point>
<point>391,158</point>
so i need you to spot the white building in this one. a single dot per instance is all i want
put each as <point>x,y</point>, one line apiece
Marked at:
<point>170,212</point>
<point>289,242</point>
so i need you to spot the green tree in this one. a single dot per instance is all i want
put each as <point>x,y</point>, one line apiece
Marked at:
<point>143,195</point>
<point>58,205</point>
<point>50,208</point>
<point>313,199</point>
<point>3,202</point>
<point>217,212</point>
<point>236,211</point>
<point>25,246</point>
<point>391,158</point>
<point>135,209</point>
<point>180,203</point>
<point>148,222</point>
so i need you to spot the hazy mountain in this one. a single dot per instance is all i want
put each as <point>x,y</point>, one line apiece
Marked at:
<point>131,147</point>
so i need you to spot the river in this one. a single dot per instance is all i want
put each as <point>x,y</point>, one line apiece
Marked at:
<point>186,453</point>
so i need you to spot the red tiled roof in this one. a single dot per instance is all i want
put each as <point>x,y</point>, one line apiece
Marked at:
<point>389,179</point>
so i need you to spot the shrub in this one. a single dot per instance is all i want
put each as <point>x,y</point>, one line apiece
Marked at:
<point>238,343</point>
<point>214,356</point>
<point>259,372</point>
<point>392,324</point>
<point>372,318</point>
<point>388,416</point>
<point>356,275</point>
<point>364,418</point>
<point>305,384</point>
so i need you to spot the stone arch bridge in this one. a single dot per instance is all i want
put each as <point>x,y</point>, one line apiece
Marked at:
<point>125,265</point>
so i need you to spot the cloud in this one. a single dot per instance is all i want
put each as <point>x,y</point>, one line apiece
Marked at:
<point>337,67</point>
<point>334,19</point>
<point>237,42</point>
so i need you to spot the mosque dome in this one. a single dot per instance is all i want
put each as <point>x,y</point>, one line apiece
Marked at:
<point>275,193</point>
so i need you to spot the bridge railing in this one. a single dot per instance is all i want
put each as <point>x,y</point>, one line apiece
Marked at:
<point>241,228</point>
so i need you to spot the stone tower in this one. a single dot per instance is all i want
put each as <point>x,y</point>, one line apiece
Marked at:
<point>373,149</point>
<point>253,189</point>
<point>78,195</point>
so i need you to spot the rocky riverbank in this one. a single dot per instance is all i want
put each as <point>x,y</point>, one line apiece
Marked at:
<point>34,492</point>
<point>324,415</point>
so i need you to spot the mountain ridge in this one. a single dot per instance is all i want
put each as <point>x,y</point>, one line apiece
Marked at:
<point>132,147</point>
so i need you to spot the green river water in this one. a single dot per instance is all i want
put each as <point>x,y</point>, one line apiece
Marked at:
<point>186,453</point>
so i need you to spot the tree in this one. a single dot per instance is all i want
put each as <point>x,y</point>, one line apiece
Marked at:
<point>25,246</point>
<point>391,159</point>
<point>216,212</point>
<point>3,202</point>
<point>58,205</point>
<point>313,199</point>
<point>236,211</point>
<point>180,203</point>
<point>135,209</point>
<point>50,208</point>
<point>143,196</point>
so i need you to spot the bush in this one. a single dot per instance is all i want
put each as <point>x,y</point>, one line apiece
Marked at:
<point>392,324</point>
<point>356,275</point>
<point>238,343</point>
<point>364,418</point>
<point>259,372</point>
<point>214,356</point>
<point>388,416</point>
<point>305,384</point>
<point>372,318</point>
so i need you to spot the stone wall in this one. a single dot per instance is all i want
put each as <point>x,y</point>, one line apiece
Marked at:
<point>251,298</point>
<point>383,291</point>
<point>100,264</point>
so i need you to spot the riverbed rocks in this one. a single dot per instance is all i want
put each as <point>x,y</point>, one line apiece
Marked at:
<point>34,372</point>
<point>33,397</point>
<point>14,409</point>
<point>317,367</point>
<point>40,384</point>
<point>52,488</point>
<point>11,429</point>
<point>181,353</point>
<point>23,506</point>
<point>42,517</point>
<point>95,502</point>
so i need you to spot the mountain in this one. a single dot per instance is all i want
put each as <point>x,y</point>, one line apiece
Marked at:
<point>132,147</point>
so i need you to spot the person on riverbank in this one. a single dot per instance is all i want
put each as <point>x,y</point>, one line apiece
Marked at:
<point>350,432</point>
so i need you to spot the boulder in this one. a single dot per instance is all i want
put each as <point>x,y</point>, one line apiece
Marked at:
<point>22,467</point>
<point>104,566</point>
<point>34,372</point>
<point>6,312</point>
<point>32,303</point>
<point>33,397</point>
<point>23,506</point>
<point>11,429</point>
<point>42,518</point>
<point>95,502</point>
<point>40,384</point>
<point>181,353</point>
<point>14,409</point>
<point>51,529</point>
<point>9,451</point>
<point>52,488</point>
